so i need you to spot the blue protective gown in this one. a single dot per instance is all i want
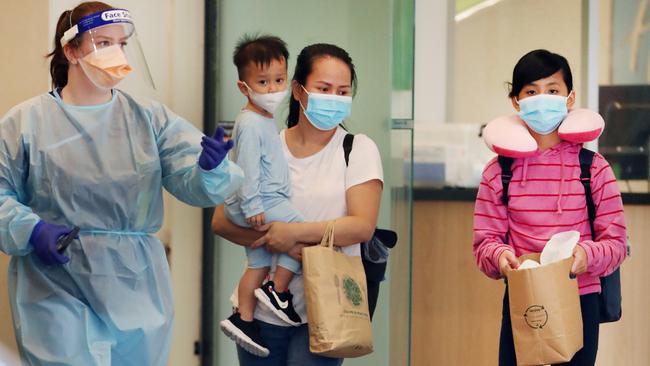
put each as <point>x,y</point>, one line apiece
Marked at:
<point>101,168</point>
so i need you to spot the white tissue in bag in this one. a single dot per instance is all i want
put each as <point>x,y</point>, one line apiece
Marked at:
<point>528,263</point>
<point>559,247</point>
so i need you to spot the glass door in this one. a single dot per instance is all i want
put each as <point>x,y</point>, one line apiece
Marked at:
<point>378,34</point>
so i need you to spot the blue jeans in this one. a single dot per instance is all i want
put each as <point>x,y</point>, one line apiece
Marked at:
<point>289,346</point>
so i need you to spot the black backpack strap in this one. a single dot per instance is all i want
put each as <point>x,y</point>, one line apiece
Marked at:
<point>347,147</point>
<point>506,176</point>
<point>586,157</point>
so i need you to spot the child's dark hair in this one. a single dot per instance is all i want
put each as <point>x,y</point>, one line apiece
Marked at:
<point>260,50</point>
<point>539,64</point>
<point>59,64</point>
<point>304,65</point>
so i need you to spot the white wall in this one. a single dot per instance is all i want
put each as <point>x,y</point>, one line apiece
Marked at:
<point>432,67</point>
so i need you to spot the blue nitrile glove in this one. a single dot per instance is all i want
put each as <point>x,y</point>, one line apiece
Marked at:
<point>214,150</point>
<point>44,239</point>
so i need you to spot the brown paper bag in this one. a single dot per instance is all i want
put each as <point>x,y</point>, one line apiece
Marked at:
<point>337,301</point>
<point>545,313</point>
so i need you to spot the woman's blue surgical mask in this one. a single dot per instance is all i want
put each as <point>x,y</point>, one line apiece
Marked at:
<point>326,111</point>
<point>543,113</point>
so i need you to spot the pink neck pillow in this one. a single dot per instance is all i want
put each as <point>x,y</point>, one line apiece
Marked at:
<point>509,136</point>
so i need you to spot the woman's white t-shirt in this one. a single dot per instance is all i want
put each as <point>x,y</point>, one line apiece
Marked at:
<point>318,185</point>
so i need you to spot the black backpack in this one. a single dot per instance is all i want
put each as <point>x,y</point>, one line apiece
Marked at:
<point>374,252</point>
<point>610,294</point>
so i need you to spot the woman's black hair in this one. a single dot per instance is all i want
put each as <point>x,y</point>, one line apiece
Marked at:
<point>59,64</point>
<point>539,64</point>
<point>304,66</point>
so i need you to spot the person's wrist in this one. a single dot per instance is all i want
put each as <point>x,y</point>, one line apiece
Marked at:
<point>36,231</point>
<point>503,253</point>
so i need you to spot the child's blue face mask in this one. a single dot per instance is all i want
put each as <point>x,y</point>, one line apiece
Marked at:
<point>543,113</point>
<point>326,111</point>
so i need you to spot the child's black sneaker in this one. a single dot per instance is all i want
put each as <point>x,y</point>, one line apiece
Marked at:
<point>245,334</point>
<point>281,304</point>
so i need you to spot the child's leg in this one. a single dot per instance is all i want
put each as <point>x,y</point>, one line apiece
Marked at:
<point>274,295</point>
<point>251,280</point>
<point>281,279</point>
<point>259,263</point>
<point>284,272</point>
<point>287,266</point>
<point>507,355</point>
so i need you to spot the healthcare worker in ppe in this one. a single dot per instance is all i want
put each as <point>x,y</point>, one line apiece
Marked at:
<point>90,156</point>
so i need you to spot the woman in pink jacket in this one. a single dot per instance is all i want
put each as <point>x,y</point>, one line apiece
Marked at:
<point>546,196</point>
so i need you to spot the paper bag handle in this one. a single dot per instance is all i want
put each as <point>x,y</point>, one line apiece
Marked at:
<point>328,236</point>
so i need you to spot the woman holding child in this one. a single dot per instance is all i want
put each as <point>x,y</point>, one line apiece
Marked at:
<point>323,189</point>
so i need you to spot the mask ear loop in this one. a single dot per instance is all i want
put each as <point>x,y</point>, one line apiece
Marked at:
<point>300,102</point>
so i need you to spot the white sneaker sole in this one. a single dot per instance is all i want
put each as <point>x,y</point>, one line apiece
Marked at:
<point>234,333</point>
<point>264,300</point>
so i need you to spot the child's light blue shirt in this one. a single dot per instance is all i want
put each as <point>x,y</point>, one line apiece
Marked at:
<point>258,151</point>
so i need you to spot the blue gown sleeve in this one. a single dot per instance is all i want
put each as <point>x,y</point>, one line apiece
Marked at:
<point>16,219</point>
<point>249,152</point>
<point>179,147</point>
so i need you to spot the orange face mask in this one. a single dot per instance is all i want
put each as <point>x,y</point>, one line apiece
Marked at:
<point>106,67</point>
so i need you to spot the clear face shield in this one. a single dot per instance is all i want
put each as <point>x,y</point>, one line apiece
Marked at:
<point>109,46</point>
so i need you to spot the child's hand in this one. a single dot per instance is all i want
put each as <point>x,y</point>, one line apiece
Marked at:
<point>507,261</point>
<point>579,260</point>
<point>256,220</point>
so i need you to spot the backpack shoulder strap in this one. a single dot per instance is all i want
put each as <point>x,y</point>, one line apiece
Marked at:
<point>586,157</point>
<point>347,147</point>
<point>506,176</point>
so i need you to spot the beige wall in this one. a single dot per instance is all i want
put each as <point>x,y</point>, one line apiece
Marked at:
<point>487,45</point>
<point>24,71</point>
<point>23,74</point>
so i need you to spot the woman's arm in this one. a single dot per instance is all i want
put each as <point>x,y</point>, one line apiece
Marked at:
<point>358,226</point>
<point>231,232</point>
<point>178,143</point>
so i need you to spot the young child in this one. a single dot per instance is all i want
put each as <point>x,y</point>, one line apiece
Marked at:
<point>264,197</point>
<point>546,196</point>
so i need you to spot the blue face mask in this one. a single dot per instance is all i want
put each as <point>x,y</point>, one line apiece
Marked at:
<point>326,111</point>
<point>543,113</point>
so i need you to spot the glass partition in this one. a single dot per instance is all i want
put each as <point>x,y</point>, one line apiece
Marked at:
<point>624,91</point>
<point>365,29</point>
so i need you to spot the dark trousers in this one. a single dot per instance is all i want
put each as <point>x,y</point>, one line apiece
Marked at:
<point>590,327</point>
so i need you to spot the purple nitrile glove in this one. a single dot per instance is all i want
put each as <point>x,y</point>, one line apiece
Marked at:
<point>44,238</point>
<point>214,150</point>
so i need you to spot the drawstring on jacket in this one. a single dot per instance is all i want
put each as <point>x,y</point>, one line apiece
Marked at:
<point>525,173</point>
<point>560,192</point>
